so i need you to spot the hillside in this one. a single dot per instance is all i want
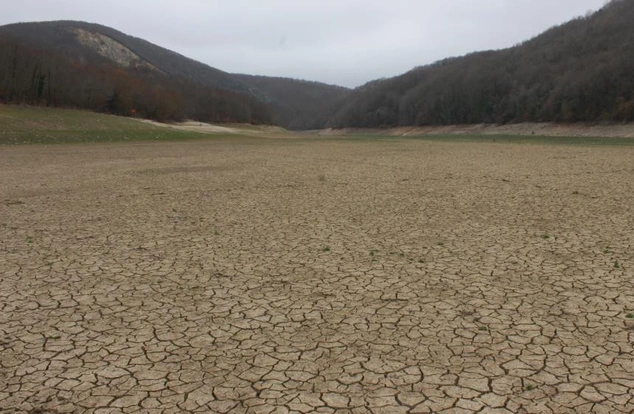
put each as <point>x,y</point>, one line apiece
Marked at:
<point>90,66</point>
<point>79,38</point>
<point>580,71</point>
<point>297,104</point>
<point>78,65</point>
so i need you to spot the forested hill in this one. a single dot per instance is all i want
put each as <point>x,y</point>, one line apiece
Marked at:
<point>581,71</point>
<point>85,65</point>
<point>80,65</point>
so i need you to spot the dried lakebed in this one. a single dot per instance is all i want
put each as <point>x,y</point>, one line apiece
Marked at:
<point>309,275</point>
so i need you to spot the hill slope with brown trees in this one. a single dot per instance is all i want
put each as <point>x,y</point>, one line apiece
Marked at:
<point>85,65</point>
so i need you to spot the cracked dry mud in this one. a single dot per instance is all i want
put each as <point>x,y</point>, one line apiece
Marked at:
<point>275,276</point>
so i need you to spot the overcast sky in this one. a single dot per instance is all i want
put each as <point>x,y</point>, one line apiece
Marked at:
<point>345,42</point>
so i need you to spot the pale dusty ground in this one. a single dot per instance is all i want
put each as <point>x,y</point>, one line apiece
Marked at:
<point>316,276</point>
<point>264,131</point>
<point>527,128</point>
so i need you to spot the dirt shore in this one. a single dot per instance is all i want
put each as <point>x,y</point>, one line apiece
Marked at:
<point>540,129</point>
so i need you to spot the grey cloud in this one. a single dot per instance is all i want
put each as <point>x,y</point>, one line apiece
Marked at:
<point>341,42</point>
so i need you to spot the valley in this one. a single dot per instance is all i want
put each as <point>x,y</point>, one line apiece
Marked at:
<point>457,238</point>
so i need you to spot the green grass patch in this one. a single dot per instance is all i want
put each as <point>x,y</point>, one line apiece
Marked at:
<point>37,125</point>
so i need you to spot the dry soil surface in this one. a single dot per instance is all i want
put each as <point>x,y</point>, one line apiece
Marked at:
<point>276,276</point>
